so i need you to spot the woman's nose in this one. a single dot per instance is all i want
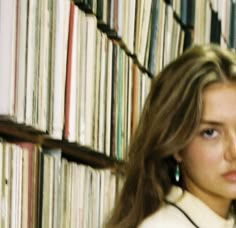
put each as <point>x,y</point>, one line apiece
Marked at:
<point>230,152</point>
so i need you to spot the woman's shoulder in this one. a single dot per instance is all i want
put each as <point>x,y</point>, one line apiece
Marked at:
<point>167,216</point>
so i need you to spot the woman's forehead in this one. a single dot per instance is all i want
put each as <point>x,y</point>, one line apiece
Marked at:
<point>219,102</point>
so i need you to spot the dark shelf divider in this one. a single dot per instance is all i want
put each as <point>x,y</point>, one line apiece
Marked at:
<point>10,130</point>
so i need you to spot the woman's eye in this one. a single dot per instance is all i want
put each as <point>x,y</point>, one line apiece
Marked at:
<point>209,133</point>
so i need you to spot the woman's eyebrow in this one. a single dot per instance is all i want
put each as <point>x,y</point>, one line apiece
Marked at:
<point>211,122</point>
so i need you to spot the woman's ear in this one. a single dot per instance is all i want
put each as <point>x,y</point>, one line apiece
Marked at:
<point>177,157</point>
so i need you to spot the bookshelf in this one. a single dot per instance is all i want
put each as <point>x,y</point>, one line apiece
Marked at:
<point>73,80</point>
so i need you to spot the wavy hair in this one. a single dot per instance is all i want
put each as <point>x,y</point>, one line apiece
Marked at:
<point>170,117</point>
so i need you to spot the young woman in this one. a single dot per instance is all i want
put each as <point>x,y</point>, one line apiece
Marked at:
<point>182,159</point>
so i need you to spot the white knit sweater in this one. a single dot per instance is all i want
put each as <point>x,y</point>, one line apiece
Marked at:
<point>169,216</point>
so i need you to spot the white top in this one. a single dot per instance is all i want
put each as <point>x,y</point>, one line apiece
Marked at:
<point>168,216</point>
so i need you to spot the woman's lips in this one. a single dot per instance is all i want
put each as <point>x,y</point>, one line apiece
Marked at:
<point>230,176</point>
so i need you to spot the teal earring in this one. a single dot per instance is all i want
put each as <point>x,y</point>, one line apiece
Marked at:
<point>177,173</point>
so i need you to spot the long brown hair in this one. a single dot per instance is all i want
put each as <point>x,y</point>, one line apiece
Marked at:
<point>170,117</point>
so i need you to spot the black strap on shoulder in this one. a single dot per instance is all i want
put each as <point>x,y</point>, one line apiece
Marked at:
<point>183,212</point>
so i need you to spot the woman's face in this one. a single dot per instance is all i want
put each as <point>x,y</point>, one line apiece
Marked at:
<point>209,162</point>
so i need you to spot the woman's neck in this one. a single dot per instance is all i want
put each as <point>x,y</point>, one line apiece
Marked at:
<point>218,204</point>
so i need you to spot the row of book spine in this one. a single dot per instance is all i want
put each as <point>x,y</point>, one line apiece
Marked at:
<point>100,88</point>
<point>140,24</point>
<point>19,170</point>
<point>215,22</point>
<point>39,188</point>
<point>40,43</point>
<point>61,75</point>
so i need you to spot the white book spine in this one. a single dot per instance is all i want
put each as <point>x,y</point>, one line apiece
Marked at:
<point>101,204</point>
<point>31,61</point>
<point>7,185</point>
<point>120,18</point>
<point>44,58</point>
<point>82,95</point>
<point>102,101</point>
<point>1,181</point>
<point>59,71</point>
<point>21,61</point>
<point>81,203</point>
<point>108,98</point>
<point>90,72</point>
<point>7,55</point>
<point>96,91</point>
<point>144,30</point>
<point>131,26</point>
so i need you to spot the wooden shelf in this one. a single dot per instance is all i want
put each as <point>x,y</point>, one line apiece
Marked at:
<point>10,130</point>
<point>83,154</point>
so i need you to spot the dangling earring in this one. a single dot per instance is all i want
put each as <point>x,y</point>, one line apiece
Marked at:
<point>177,173</point>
